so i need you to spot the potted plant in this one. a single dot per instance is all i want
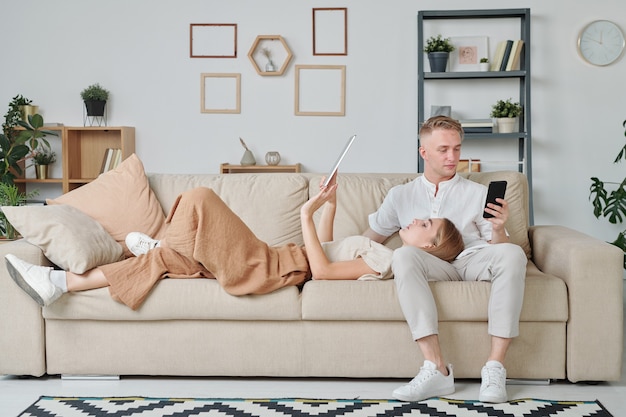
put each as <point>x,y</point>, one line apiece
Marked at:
<point>611,204</point>
<point>10,195</point>
<point>438,50</point>
<point>484,64</point>
<point>95,98</point>
<point>506,113</point>
<point>12,147</point>
<point>42,158</point>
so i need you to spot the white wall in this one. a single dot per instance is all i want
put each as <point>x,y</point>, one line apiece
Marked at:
<point>139,50</point>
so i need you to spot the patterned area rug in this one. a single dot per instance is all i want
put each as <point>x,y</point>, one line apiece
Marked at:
<point>294,407</point>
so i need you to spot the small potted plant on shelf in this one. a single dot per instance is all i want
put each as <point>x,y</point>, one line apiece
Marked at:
<point>506,113</point>
<point>438,50</point>
<point>42,158</point>
<point>484,64</point>
<point>95,98</point>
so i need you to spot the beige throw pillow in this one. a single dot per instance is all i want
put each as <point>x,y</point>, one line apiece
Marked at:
<point>121,200</point>
<point>69,238</point>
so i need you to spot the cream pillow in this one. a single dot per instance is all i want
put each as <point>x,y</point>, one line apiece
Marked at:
<point>69,238</point>
<point>121,200</point>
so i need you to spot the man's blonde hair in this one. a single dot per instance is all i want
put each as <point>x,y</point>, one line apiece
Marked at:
<point>441,122</point>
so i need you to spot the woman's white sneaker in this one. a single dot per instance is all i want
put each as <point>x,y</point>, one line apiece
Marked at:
<point>140,243</point>
<point>428,383</point>
<point>493,384</point>
<point>34,279</point>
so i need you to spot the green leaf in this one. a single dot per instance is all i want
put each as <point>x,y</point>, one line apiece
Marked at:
<point>598,196</point>
<point>35,120</point>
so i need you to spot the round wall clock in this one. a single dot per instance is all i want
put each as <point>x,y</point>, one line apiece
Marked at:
<point>601,42</point>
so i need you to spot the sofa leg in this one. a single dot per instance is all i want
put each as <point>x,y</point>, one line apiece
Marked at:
<point>74,377</point>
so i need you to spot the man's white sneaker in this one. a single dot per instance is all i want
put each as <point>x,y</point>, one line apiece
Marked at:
<point>34,279</point>
<point>428,383</point>
<point>493,385</point>
<point>139,243</point>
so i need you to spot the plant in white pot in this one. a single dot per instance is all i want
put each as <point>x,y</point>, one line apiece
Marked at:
<point>438,50</point>
<point>506,113</point>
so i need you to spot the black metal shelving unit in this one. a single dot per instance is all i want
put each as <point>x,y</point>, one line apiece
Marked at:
<point>524,137</point>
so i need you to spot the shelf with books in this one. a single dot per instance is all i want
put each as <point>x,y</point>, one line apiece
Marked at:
<point>510,75</point>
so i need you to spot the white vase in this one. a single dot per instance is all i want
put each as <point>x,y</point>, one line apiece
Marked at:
<point>484,66</point>
<point>507,124</point>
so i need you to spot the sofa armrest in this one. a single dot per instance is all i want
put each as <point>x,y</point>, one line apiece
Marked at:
<point>593,272</point>
<point>22,340</point>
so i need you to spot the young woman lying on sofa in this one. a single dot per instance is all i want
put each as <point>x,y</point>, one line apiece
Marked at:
<point>205,239</point>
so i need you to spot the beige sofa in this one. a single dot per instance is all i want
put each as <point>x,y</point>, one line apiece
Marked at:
<point>571,322</point>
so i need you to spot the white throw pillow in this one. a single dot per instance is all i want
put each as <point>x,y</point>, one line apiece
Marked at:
<point>69,238</point>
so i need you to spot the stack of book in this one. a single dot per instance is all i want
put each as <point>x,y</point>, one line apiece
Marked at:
<point>507,55</point>
<point>477,125</point>
<point>112,158</point>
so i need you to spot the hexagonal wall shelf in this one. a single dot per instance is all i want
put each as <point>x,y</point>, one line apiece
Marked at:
<point>279,50</point>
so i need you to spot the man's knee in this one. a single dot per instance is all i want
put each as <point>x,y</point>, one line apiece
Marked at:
<point>408,261</point>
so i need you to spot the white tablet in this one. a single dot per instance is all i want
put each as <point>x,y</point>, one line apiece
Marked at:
<point>336,165</point>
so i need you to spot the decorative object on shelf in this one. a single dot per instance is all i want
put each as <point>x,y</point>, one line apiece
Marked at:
<point>213,40</point>
<point>467,52</point>
<point>267,53</point>
<point>601,42</point>
<point>611,204</point>
<point>484,64</point>
<point>281,53</point>
<point>95,98</point>
<point>248,156</point>
<point>10,195</point>
<point>272,158</point>
<point>506,113</point>
<point>330,31</point>
<point>42,159</point>
<point>438,50</point>
<point>436,110</point>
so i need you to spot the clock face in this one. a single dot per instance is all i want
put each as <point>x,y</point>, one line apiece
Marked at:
<point>601,42</point>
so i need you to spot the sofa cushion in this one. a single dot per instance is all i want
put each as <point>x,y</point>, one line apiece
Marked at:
<point>120,200</point>
<point>269,204</point>
<point>545,299</point>
<point>179,299</point>
<point>69,238</point>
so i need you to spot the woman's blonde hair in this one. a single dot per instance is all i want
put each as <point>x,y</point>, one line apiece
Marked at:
<point>448,242</point>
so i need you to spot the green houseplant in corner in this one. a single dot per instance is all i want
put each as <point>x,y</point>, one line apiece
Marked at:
<point>438,50</point>
<point>95,98</point>
<point>611,203</point>
<point>10,195</point>
<point>506,113</point>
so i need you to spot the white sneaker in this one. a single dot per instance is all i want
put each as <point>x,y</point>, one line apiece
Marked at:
<point>139,243</point>
<point>428,383</point>
<point>493,386</point>
<point>34,279</point>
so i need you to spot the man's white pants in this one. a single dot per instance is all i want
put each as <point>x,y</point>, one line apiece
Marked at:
<point>504,264</point>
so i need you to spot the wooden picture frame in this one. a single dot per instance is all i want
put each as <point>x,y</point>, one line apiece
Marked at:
<point>330,31</point>
<point>468,50</point>
<point>320,90</point>
<point>220,93</point>
<point>213,40</point>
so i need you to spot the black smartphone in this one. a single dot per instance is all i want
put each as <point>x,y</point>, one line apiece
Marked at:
<point>496,190</point>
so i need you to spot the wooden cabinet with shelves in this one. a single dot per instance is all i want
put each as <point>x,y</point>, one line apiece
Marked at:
<point>82,152</point>
<point>458,80</point>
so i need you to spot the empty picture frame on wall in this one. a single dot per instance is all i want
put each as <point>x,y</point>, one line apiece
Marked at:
<point>213,40</point>
<point>320,90</point>
<point>330,31</point>
<point>220,93</point>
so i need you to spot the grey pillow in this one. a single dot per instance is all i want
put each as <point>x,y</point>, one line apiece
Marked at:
<point>69,238</point>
